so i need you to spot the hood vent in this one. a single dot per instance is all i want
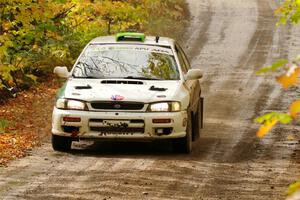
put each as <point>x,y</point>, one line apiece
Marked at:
<point>122,82</point>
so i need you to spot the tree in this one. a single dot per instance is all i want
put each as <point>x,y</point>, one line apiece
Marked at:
<point>288,12</point>
<point>36,35</point>
<point>27,28</point>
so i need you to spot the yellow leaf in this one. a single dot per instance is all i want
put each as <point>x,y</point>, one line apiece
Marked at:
<point>265,128</point>
<point>290,78</point>
<point>295,108</point>
<point>32,77</point>
<point>290,138</point>
<point>6,25</point>
<point>35,46</point>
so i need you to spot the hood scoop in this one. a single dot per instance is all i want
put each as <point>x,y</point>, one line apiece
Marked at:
<point>122,82</point>
<point>83,87</point>
<point>153,88</point>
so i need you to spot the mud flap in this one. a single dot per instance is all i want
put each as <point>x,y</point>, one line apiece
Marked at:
<point>198,119</point>
<point>202,110</point>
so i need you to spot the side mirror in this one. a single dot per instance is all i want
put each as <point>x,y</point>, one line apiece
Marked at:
<point>61,72</point>
<point>193,74</point>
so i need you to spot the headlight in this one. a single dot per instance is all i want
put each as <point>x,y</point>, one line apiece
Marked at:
<point>164,107</point>
<point>70,104</point>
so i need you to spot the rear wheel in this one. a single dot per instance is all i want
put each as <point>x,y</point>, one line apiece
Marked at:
<point>184,145</point>
<point>61,143</point>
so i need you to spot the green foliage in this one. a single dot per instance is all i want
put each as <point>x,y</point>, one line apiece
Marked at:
<point>294,188</point>
<point>36,35</point>
<point>275,66</point>
<point>281,117</point>
<point>289,12</point>
<point>3,125</point>
<point>26,27</point>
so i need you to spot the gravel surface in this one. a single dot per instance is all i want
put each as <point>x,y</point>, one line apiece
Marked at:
<point>229,40</point>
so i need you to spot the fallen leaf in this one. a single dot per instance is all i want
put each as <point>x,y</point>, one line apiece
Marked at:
<point>290,78</point>
<point>265,128</point>
<point>295,108</point>
<point>29,125</point>
<point>13,141</point>
<point>290,138</point>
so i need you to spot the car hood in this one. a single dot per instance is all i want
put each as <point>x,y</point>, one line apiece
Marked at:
<point>125,90</point>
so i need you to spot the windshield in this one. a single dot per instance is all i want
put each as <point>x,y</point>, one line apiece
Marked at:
<point>126,61</point>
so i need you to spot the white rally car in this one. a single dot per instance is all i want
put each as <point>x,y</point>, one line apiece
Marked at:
<point>129,87</point>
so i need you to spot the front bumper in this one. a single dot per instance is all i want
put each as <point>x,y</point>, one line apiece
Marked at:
<point>119,125</point>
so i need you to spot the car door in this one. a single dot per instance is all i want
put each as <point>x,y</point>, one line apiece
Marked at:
<point>196,102</point>
<point>192,85</point>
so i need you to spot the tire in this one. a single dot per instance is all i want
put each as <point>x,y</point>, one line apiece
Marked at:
<point>60,143</point>
<point>184,145</point>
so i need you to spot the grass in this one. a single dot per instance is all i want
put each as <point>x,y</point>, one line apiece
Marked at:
<point>3,125</point>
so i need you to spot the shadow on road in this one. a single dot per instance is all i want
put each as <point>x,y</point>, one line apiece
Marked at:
<point>206,149</point>
<point>117,149</point>
<point>155,149</point>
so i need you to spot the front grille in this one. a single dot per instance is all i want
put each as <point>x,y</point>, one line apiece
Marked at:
<point>117,130</point>
<point>133,121</point>
<point>117,105</point>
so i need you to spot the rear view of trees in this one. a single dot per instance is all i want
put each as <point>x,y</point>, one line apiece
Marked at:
<point>36,35</point>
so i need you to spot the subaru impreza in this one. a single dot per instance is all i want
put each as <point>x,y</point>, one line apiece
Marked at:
<point>129,87</point>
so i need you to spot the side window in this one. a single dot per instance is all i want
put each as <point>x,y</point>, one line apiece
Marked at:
<point>181,60</point>
<point>186,61</point>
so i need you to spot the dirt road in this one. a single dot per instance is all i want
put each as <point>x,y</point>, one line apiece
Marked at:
<point>229,40</point>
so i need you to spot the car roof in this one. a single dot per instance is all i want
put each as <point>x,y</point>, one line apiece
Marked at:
<point>149,40</point>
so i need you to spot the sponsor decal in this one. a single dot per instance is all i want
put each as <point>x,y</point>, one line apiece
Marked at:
<point>117,97</point>
<point>154,49</point>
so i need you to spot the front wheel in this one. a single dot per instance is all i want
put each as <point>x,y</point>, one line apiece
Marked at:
<point>61,143</point>
<point>184,145</point>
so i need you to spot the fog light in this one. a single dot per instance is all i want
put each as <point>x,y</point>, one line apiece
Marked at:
<point>159,131</point>
<point>72,119</point>
<point>71,129</point>
<point>161,121</point>
<point>163,131</point>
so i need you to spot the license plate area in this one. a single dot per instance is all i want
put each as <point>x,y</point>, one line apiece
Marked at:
<point>115,123</point>
<point>116,126</point>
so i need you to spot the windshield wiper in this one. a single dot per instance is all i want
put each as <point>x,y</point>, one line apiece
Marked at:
<point>141,78</point>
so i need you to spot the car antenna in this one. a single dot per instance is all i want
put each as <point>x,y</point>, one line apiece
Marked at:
<point>156,39</point>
